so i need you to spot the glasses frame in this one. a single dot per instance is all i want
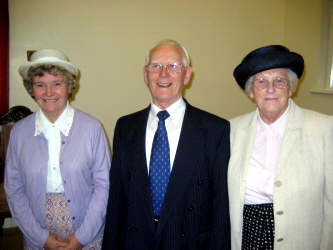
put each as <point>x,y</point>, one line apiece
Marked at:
<point>278,83</point>
<point>168,68</point>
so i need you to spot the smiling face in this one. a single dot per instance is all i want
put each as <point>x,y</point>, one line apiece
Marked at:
<point>51,94</point>
<point>166,88</point>
<point>272,102</point>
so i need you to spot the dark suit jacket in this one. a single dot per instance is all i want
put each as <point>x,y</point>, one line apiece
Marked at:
<point>195,212</point>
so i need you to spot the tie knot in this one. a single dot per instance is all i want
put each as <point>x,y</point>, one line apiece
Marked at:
<point>162,115</point>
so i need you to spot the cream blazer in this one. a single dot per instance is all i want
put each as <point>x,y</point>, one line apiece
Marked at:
<point>303,190</point>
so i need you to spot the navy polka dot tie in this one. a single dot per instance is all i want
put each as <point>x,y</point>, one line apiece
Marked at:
<point>159,169</point>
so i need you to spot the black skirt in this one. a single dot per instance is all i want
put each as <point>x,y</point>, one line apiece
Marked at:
<point>258,227</point>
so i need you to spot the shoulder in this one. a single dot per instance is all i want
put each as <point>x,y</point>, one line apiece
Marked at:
<point>27,124</point>
<point>311,114</point>
<point>313,119</point>
<point>134,118</point>
<point>242,120</point>
<point>85,121</point>
<point>204,117</point>
<point>84,117</point>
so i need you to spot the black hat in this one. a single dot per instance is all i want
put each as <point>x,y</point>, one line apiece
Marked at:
<point>268,57</point>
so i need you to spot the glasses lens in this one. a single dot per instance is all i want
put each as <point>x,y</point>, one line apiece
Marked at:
<point>154,67</point>
<point>174,68</point>
<point>280,83</point>
<point>260,83</point>
<point>171,68</point>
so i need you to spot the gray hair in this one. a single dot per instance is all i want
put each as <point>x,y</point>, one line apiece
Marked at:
<point>292,77</point>
<point>55,70</point>
<point>186,58</point>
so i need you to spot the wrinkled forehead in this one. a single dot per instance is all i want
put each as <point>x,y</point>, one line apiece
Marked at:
<point>166,54</point>
<point>272,73</point>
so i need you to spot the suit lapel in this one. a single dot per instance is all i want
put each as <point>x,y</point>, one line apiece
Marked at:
<point>139,169</point>
<point>188,147</point>
<point>137,138</point>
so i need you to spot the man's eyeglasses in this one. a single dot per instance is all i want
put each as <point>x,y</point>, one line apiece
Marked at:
<point>172,68</point>
<point>279,83</point>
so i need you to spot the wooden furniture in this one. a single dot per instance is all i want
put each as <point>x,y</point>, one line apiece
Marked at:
<point>6,123</point>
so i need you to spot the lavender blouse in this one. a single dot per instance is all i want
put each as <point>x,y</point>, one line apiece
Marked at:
<point>84,164</point>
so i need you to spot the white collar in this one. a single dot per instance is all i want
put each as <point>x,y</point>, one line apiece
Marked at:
<point>63,123</point>
<point>172,109</point>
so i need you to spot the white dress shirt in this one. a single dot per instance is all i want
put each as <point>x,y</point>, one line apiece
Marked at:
<point>266,150</point>
<point>173,126</point>
<point>52,132</point>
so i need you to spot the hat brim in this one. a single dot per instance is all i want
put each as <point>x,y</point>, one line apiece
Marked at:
<point>265,58</point>
<point>23,69</point>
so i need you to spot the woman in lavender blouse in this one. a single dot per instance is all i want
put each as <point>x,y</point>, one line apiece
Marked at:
<point>57,164</point>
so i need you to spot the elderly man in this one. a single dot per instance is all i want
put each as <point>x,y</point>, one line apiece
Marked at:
<point>281,167</point>
<point>169,173</point>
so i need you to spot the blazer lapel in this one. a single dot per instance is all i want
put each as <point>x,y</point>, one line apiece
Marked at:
<point>247,134</point>
<point>292,135</point>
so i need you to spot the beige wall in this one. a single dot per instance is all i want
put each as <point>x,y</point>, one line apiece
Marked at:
<point>108,40</point>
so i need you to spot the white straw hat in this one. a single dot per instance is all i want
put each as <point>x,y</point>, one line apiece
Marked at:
<point>48,56</point>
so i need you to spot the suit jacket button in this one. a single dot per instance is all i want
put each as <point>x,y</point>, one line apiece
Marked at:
<point>190,209</point>
<point>133,229</point>
<point>182,235</point>
<point>278,183</point>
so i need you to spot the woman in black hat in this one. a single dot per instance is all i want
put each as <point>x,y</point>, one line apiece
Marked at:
<point>281,165</point>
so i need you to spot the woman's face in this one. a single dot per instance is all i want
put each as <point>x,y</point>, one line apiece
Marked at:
<point>271,101</point>
<point>51,94</point>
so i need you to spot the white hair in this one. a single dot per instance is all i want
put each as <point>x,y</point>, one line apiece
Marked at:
<point>186,57</point>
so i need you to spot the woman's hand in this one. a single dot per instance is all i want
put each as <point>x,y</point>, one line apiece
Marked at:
<point>54,243</point>
<point>73,243</point>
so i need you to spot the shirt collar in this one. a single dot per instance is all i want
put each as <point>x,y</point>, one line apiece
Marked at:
<point>63,123</point>
<point>172,109</point>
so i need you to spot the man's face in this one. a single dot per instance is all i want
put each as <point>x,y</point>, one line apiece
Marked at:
<point>165,87</point>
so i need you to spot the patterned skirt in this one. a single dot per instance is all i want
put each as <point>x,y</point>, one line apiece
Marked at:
<point>258,227</point>
<point>59,221</point>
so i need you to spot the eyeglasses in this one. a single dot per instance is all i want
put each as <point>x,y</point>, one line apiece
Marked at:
<point>279,83</point>
<point>172,68</point>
